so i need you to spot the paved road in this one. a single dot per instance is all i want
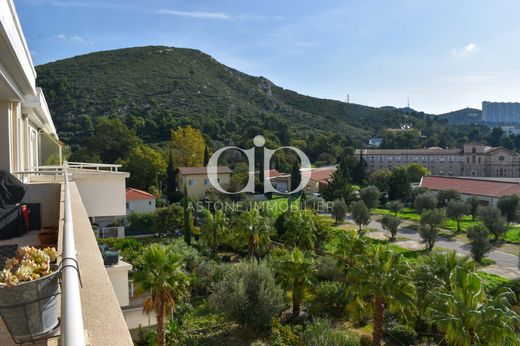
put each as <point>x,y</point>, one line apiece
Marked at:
<point>502,259</point>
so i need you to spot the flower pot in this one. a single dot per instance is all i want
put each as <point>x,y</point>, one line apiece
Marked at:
<point>48,237</point>
<point>29,309</point>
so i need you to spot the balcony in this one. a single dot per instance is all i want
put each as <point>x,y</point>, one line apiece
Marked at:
<point>93,308</point>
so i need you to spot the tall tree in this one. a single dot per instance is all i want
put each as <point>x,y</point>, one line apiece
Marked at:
<point>296,175</point>
<point>112,140</point>
<point>162,275</point>
<point>187,223</point>
<point>391,224</point>
<point>416,171</point>
<point>300,230</point>
<point>360,213</point>
<point>206,155</point>
<point>381,179</point>
<point>339,186</point>
<point>456,210</point>
<point>431,220</point>
<point>295,269</point>
<point>509,205</point>
<point>358,172</point>
<point>473,203</point>
<point>146,167</point>
<point>170,177</point>
<point>370,196</point>
<point>254,230</point>
<point>383,280</point>
<point>188,146</point>
<point>395,206</point>
<point>424,201</point>
<point>479,241</point>
<point>399,186</point>
<point>445,196</point>
<point>215,228</point>
<point>493,220</point>
<point>339,210</point>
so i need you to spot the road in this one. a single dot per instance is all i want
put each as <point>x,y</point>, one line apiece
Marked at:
<point>502,259</point>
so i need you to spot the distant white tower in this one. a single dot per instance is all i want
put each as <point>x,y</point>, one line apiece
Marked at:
<point>348,98</point>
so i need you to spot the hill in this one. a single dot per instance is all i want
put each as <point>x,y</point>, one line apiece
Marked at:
<point>155,88</point>
<point>464,116</point>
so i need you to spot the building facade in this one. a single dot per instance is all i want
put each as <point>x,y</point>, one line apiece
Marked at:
<point>501,112</point>
<point>139,201</point>
<point>197,182</point>
<point>474,160</point>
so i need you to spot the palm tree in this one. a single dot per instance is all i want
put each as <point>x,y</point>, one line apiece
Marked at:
<point>382,280</point>
<point>351,245</point>
<point>467,317</point>
<point>300,230</point>
<point>255,229</point>
<point>216,226</point>
<point>294,270</point>
<point>163,276</point>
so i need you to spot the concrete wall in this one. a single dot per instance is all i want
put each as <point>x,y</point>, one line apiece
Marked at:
<point>135,317</point>
<point>142,206</point>
<point>118,275</point>
<point>200,183</point>
<point>103,194</point>
<point>48,196</point>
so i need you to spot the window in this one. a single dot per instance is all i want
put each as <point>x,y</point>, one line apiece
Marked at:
<point>191,182</point>
<point>473,159</point>
<point>389,159</point>
<point>467,161</point>
<point>473,150</point>
<point>432,158</point>
<point>206,182</point>
<point>127,205</point>
<point>479,159</point>
<point>149,202</point>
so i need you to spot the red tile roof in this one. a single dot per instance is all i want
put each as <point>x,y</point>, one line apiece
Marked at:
<point>135,195</point>
<point>320,175</point>
<point>469,186</point>
<point>202,170</point>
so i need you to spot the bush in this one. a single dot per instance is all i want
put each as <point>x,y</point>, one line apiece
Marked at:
<point>330,298</point>
<point>403,334</point>
<point>320,332</point>
<point>283,335</point>
<point>425,201</point>
<point>327,269</point>
<point>191,257</point>
<point>366,340</point>
<point>167,220</point>
<point>141,221</point>
<point>249,295</point>
<point>205,276</point>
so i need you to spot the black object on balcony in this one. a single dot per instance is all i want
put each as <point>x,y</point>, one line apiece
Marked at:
<point>12,192</point>
<point>110,258</point>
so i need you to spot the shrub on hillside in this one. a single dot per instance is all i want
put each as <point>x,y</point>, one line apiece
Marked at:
<point>320,332</point>
<point>330,298</point>
<point>404,335</point>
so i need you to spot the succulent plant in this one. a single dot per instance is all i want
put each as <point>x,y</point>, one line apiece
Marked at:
<point>29,264</point>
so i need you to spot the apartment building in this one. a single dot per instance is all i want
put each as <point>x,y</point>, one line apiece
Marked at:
<point>473,160</point>
<point>197,182</point>
<point>68,194</point>
<point>501,112</point>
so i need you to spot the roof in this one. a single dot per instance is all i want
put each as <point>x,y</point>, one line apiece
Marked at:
<point>426,151</point>
<point>201,170</point>
<point>322,175</point>
<point>136,195</point>
<point>471,186</point>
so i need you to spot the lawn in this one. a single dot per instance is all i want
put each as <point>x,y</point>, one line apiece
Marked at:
<point>279,204</point>
<point>405,213</point>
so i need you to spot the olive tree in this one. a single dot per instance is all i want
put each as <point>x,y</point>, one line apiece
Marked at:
<point>456,210</point>
<point>391,224</point>
<point>493,220</point>
<point>431,220</point>
<point>479,241</point>
<point>425,201</point>
<point>370,196</point>
<point>360,213</point>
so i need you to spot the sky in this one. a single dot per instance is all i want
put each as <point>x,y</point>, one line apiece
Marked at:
<point>442,55</point>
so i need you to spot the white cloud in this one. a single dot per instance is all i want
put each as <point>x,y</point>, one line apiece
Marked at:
<point>465,52</point>
<point>195,14</point>
<point>73,39</point>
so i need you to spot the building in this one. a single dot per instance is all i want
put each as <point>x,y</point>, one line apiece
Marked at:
<point>280,181</point>
<point>197,182</point>
<point>488,190</point>
<point>474,160</point>
<point>511,130</point>
<point>501,112</point>
<point>67,195</point>
<point>318,178</point>
<point>139,201</point>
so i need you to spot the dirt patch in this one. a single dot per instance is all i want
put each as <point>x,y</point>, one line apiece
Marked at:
<point>377,235</point>
<point>411,245</point>
<point>509,273</point>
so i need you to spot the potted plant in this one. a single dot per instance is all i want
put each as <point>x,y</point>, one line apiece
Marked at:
<point>28,293</point>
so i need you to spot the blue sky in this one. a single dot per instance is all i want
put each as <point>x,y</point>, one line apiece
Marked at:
<point>443,55</point>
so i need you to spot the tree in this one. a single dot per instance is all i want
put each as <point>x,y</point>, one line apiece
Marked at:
<point>170,178</point>
<point>339,209</point>
<point>350,249</point>
<point>339,186</point>
<point>467,316</point>
<point>425,201</point>
<point>112,140</point>
<point>444,196</point>
<point>509,205</point>
<point>248,294</point>
<point>295,269</point>
<point>167,220</point>
<point>382,281</point>
<point>187,145</point>
<point>479,240</point>
<point>431,220</point>
<point>254,230</point>
<point>296,175</point>
<point>395,206</point>
<point>360,213</point>
<point>391,224</point>
<point>206,155</point>
<point>493,220</point>
<point>300,229</point>
<point>456,210</point>
<point>370,196</point>
<point>399,185</point>
<point>187,220</point>
<point>215,228</point>
<point>146,166</point>
<point>162,275</point>
<point>473,203</point>
<point>416,171</point>
<point>358,171</point>
<point>380,178</point>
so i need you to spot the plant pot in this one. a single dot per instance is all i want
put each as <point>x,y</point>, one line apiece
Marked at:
<point>48,237</point>
<point>29,309</point>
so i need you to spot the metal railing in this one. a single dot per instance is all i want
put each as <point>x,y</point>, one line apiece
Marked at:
<point>94,166</point>
<point>72,329</point>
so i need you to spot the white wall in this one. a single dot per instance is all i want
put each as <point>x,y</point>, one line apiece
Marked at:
<point>142,206</point>
<point>136,317</point>
<point>103,194</point>
<point>118,275</point>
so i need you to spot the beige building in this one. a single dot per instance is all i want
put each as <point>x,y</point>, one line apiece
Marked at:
<point>197,182</point>
<point>474,160</point>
